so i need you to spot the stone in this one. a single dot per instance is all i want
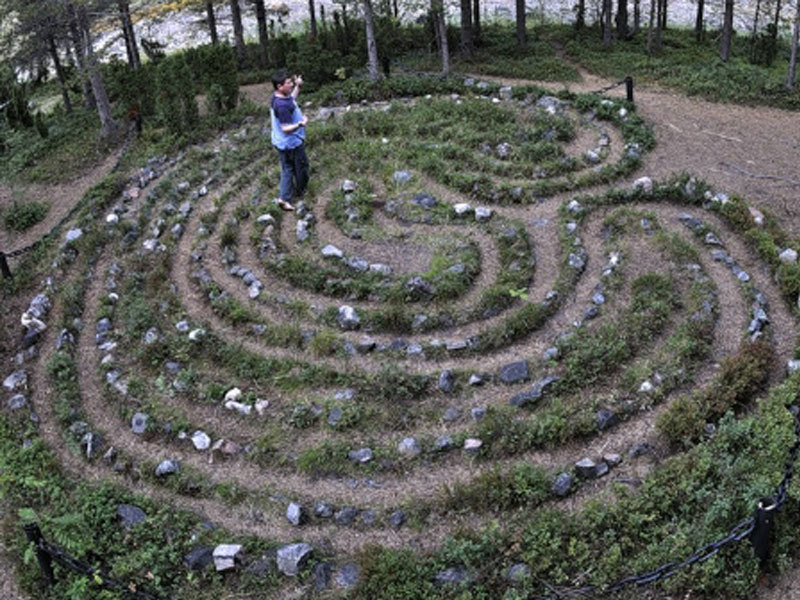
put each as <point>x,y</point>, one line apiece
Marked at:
<point>409,448</point>
<point>74,235</point>
<point>18,379</point>
<point>612,459</point>
<point>384,270</point>
<point>503,150</point>
<point>65,338</point>
<point>301,231</point>
<point>446,381</point>
<point>401,177</point>
<point>151,336</point>
<point>605,419</point>
<point>346,516</point>
<point>261,406</point>
<point>201,441</point>
<point>788,256</point>
<point>445,442</point>
<point>197,334</point>
<point>242,409</point>
<point>233,395</point>
<point>639,449</point>
<point>551,104</point>
<point>348,318</point>
<point>472,445</point>
<point>226,556</point>
<point>451,414</point>
<point>461,209</point>
<point>397,518</point>
<point>227,447</point>
<point>296,514</point>
<point>477,413</point>
<point>167,467</point>
<point>598,298</point>
<point>576,261</point>
<point>335,416</point>
<point>130,515</point>
<point>453,576</point>
<point>552,353</point>
<point>424,200</point>
<point>17,402</point>
<point>646,387</point>
<point>322,576</point>
<point>644,184</point>
<point>199,558</point>
<point>139,423</point>
<point>475,380</point>
<point>712,240</point>
<point>586,468</point>
<point>515,372</point>
<point>420,285</point>
<point>323,510</point>
<point>347,576</point>
<point>90,443</point>
<point>562,485</point>
<point>792,366</point>
<point>518,573</point>
<point>361,456</point>
<point>483,213</point>
<point>348,186</point>
<point>332,251</point>
<point>757,215</point>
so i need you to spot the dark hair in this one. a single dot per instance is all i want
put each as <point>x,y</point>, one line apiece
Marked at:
<point>278,77</point>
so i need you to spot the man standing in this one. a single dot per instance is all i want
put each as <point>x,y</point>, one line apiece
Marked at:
<point>288,136</point>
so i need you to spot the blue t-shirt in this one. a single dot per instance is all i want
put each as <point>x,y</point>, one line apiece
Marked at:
<point>284,111</point>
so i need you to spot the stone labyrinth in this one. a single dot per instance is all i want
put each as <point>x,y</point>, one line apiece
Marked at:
<point>465,295</point>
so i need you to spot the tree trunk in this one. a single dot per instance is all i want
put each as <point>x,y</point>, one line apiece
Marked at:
<point>130,35</point>
<point>754,32</point>
<point>776,22</point>
<point>606,21</point>
<point>580,15</point>
<point>263,38</point>
<point>793,55</point>
<point>107,124</point>
<point>663,15</point>
<point>622,19</point>
<point>77,41</point>
<point>476,19</point>
<point>727,32</point>
<point>651,24</point>
<point>372,46</point>
<point>467,47</point>
<point>238,32</point>
<point>212,21</point>
<point>51,46</point>
<point>659,21</point>
<point>312,15</point>
<point>637,17</point>
<point>440,31</point>
<point>522,35</point>
<point>699,26</point>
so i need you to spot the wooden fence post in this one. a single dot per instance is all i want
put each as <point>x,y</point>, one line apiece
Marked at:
<point>34,534</point>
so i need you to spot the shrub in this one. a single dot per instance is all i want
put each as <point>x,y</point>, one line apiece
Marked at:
<point>175,96</point>
<point>22,216</point>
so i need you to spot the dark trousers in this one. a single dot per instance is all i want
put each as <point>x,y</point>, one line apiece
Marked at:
<point>294,172</point>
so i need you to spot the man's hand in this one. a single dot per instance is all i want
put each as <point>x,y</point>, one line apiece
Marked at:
<point>298,80</point>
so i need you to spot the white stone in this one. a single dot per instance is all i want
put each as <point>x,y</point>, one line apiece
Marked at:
<point>107,360</point>
<point>201,440</point>
<point>32,323</point>
<point>623,112</point>
<point>113,297</point>
<point>646,387</point>
<point>261,406</point>
<point>112,218</point>
<point>483,213</point>
<point>758,216</point>
<point>472,445</point>
<point>242,409</point>
<point>645,184</point>
<point>788,256</point>
<point>233,394</point>
<point>793,366</point>
<point>197,334</point>
<point>462,208</point>
<point>225,556</point>
<point>74,234</point>
<point>331,250</point>
<point>266,218</point>
<point>409,447</point>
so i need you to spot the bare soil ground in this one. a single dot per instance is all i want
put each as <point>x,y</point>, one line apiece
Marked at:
<point>751,152</point>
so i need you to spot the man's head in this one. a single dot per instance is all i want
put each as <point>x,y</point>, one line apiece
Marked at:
<point>281,81</point>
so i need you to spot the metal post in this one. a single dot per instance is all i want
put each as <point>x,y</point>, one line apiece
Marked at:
<point>762,528</point>
<point>4,266</point>
<point>34,534</point>
<point>629,88</point>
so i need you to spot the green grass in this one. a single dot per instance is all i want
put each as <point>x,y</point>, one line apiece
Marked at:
<point>20,217</point>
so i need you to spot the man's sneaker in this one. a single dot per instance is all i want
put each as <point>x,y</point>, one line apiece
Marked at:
<point>284,204</point>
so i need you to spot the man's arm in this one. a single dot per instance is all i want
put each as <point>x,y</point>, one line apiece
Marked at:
<point>298,81</point>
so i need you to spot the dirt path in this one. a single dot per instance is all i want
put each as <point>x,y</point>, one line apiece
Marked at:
<point>61,198</point>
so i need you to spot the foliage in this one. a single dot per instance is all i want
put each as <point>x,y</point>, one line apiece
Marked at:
<point>215,67</point>
<point>175,97</point>
<point>22,216</point>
